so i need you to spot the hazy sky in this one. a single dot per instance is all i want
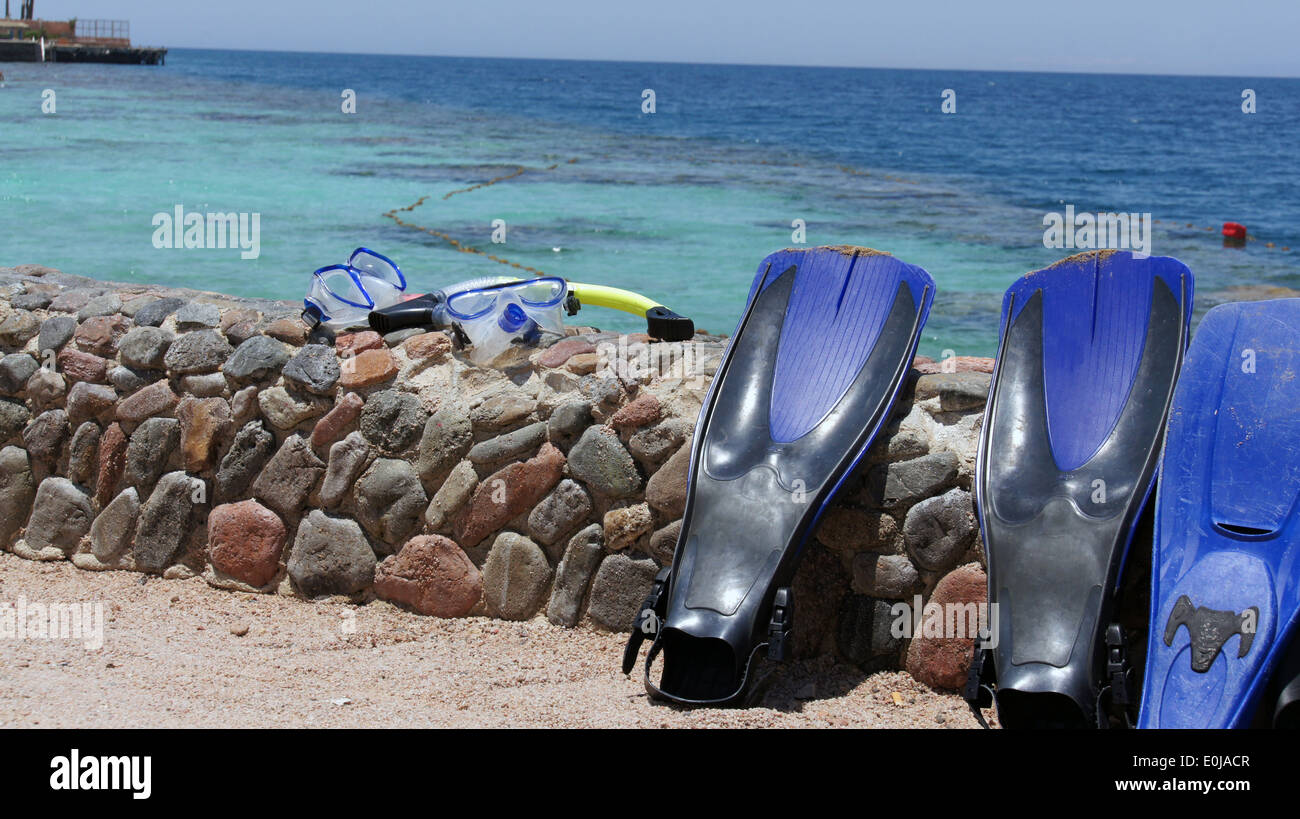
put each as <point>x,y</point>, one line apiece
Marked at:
<point>1244,37</point>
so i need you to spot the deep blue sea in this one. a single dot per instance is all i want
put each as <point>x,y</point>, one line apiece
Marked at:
<point>681,204</point>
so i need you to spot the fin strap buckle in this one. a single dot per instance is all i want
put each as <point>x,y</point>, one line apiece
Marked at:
<point>781,624</point>
<point>648,619</point>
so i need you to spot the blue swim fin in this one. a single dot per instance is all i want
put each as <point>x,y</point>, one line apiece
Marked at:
<point>1089,354</point>
<point>1225,575</point>
<point>808,380</point>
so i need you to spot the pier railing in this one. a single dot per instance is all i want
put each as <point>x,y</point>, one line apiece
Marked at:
<point>115,32</point>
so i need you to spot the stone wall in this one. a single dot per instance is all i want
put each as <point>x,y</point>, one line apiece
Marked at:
<point>189,434</point>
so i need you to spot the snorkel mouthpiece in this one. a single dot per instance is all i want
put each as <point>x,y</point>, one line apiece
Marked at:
<point>513,318</point>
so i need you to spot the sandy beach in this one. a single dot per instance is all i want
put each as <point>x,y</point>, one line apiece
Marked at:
<point>178,653</point>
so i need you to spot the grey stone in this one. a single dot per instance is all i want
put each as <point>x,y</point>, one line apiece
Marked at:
<point>391,420</point>
<point>18,328</point>
<point>567,423</point>
<point>202,351</point>
<point>516,577</point>
<point>44,437</point>
<point>557,514</point>
<point>573,576</point>
<point>150,448</point>
<point>604,392</point>
<point>15,369</point>
<point>347,459</point>
<point>513,445</point>
<point>156,312</point>
<point>111,532</point>
<point>452,495</point>
<point>504,409</point>
<point>194,315</point>
<point>314,368</point>
<point>938,531</point>
<point>257,359</point>
<point>398,336</point>
<point>892,577</point>
<point>601,461</point>
<point>61,516</point>
<point>164,521</point>
<point>105,305</point>
<point>17,489</point>
<point>86,400</point>
<point>127,381</point>
<point>664,542</point>
<point>330,556</point>
<point>13,417</point>
<point>390,500</point>
<point>621,585</point>
<point>863,634</point>
<point>243,405</point>
<point>31,301</point>
<point>902,484</point>
<point>251,448</point>
<point>447,438</point>
<point>654,445</point>
<point>46,387</point>
<point>208,385</point>
<point>957,392</point>
<point>83,452</point>
<point>145,348</point>
<point>56,331</point>
<point>288,478</point>
<point>286,410</point>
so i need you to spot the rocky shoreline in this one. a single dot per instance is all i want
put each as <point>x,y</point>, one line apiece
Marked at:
<point>195,435</point>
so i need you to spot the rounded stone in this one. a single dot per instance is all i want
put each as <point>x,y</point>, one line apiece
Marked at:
<point>202,351</point>
<point>392,420</point>
<point>314,368</point>
<point>144,348</point>
<point>245,541</point>
<point>516,578</point>
<point>432,575</point>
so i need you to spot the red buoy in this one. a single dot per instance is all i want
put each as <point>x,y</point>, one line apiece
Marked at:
<point>1234,230</point>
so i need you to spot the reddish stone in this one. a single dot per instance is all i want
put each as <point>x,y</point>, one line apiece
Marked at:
<point>508,493</point>
<point>943,662</point>
<point>79,366</point>
<point>100,334</point>
<point>155,399</point>
<point>332,424</point>
<point>112,462</point>
<point>367,368</point>
<point>953,364</point>
<point>245,540</point>
<point>432,575</point>
<point>427,346</point>
<point>353,343</point>
<point>237,315</point>
<point>289,330</point>
<point>204,421</point>
<point>643,411</point>
<point>560,352</point>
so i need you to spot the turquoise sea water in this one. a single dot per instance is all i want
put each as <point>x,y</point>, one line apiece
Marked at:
<point>681,204</point>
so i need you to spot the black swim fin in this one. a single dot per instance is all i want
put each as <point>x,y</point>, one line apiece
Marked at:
<point>808,380</point>
<point>1090,351</point>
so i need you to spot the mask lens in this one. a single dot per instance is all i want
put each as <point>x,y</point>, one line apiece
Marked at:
<point>340,283</point>
<point>380,267</point>
<point>471,304</point>
<point>545,292</point>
